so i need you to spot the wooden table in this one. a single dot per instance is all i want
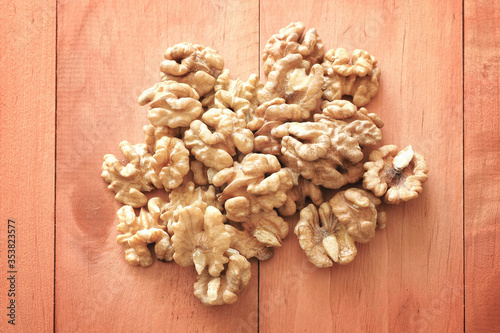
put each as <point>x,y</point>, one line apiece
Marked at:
<point>71,74</point>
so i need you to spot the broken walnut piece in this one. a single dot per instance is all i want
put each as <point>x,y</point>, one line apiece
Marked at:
<point>188,195</point>
<point>172,104</point>
<point>292,40</point>
<point>128,182</point>
<point>359,124</point>
<point>192,64</point>
<point>327,156</point>
<point>257,184</point>
<point>356,209</point>
<point>224,289</point>
<point>396,176</point>
<point>296,196</point>
<point>355,76</point>
<point>200,239</point>
<point>139,231</point>
<point>297,83</point>
<point>153,134</point>
<point>214,139</point>
<point>323,238</point>
<point>247,245</point>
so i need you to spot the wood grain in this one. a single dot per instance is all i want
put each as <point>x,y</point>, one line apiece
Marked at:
<point>482,178</point>
<point>108,53</point>
<point>27,136</point>
<point>410,277</point>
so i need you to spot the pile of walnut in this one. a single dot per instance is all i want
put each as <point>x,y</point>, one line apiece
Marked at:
<point>236,156</point>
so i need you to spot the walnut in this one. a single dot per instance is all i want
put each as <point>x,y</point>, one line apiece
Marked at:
<point>128,182</point>
<point>257,184</point>
<point>326,156</point>
<point>188,195</point>
<point>356,209</point>
<point>323,238</point>
<point>356,76</point>
<point>139,231</point>
<point>294,81</point>
<point>155,133</point>
<point>172,104</point>
<point>223,289</point>
<point>200,239</point>
<point>361,125</point>
<point>296,196</point>
<point>216,149</point>
<point>193,64</point>
<point>397,175</point>
<point>171,161</point>
<point>267,227</point>
<point>264,142</point>
<point>247,245</point>
<point>291,40</point>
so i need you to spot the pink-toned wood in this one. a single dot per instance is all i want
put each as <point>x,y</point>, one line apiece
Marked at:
<point>482,153</point>
<point>410,278</point>
<point>108,53</point>
<point>27,136</point>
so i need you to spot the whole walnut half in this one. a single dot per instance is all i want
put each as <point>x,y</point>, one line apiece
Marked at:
<point>224,289</point>
<point>257,184</point>
<point>355,76</point>
<point>172,104</point>
<point>356,209</point>
<point>398,176</point>
<point>292,40</point>
<point>200,239</point>
<point>327,156</point>
<point>139,231</point>
<point>323,238</point>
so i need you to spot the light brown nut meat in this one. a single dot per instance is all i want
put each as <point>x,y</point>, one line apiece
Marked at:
<point>172,104</point>
<point>361,125</point>
<point>323,238</point>
<point>268,227</point>
<point>192,64</point>
<point>216,148</point>
<point>290,40</point>
<point>264,142</point>
<point>139,231</point>
<point>188,195</point>
<point>224,289</point>
<point>200,239</point>
<point>296,196</point>
<point>257,184</point>
<point>356,209</point>
<point>172,161</point>
<point>155,133</point>
<point>355,76</point>
<point>128,182</point>
<point>247,245</point>
<point>293,80</point>
<point>397,176</point>
<point>326,156</point>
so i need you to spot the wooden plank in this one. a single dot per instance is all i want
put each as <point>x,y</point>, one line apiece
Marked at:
<point>482,189</point>
<point>410,277</point>
<point>27,136</point>
<point>108,53</point>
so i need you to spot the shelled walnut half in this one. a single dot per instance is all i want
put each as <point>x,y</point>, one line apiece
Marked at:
<point>398,176</point>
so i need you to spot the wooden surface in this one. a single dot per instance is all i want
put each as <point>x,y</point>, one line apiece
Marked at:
<point>435,267</point>
<point>482,177</point>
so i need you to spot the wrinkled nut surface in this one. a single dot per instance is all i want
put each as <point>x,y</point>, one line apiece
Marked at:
<point>327,156</point>
<point>188,195</point>
<point>139,231</point>
<point>216,148</point>
<point>224,289</point>
<point>396,176</point>
<point>296,196</point>
<point>355,76</point>
<point>323,238</point>
<point>128,182</point>
<point>172,104</point>
<point>364,127</point>
<point>248,245</point>
<point>257,184</point>
<point>268,228</point>
<point>292,40</point>
<point>200,239</point>
<point>356,209</point>
<point>172,161</point>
